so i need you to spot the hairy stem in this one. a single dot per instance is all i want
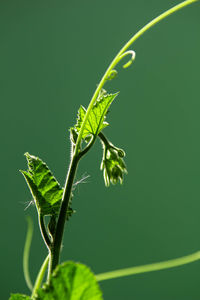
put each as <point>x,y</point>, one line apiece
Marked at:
<point>27,246</point>
<point>55,249</point>
<point>56,246</point>
<point>40,276</point>
<point>150,267</point>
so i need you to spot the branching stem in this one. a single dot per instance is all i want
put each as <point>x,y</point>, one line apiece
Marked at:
<point>56,246</point>
<point>88,147</point>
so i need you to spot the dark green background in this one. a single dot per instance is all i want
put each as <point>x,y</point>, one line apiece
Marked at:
<point>53,53</point>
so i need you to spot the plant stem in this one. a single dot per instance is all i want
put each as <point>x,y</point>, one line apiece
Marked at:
<point>40,276</point>
<point>55,249</point>
<point>150,267</point>
<point>88,147</point>
<point>43,231</point>
<point>27,245</point>
<point>103,139</point>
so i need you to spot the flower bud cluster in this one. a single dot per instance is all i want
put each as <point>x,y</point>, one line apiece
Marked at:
<point>112,164</point>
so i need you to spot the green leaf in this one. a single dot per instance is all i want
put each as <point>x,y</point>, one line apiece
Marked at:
<point>45,189</point>
<point>19,297</point>
<point>96,120</point>
<point>71,281</point>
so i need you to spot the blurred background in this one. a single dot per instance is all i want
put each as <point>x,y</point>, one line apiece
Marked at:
<point>53,54</point>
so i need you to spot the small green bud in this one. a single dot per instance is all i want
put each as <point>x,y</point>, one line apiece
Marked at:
<point>121,153</point>
<point>112,164</point>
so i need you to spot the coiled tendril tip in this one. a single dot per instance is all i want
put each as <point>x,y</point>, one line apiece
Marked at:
<point>133,55</point>
<point>112,74</point>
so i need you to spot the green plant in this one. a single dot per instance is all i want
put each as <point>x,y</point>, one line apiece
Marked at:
<point>71,280</point>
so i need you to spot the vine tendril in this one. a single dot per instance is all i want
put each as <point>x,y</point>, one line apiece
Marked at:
<point>129,52</point>
<point>121,54</point>
<point>150,267</point>
<point>112,74</point>
<point>27,246</point>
